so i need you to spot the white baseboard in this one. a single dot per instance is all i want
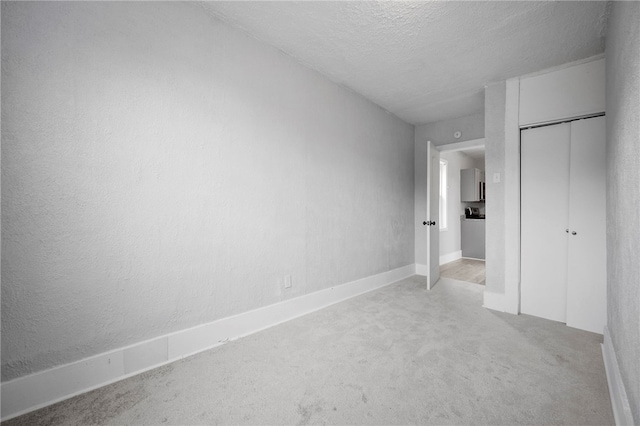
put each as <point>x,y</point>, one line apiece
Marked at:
<point>450,257</point>
<point>422,270</point>
<point>28,393</point>
<point>619,401</point>
<point>494,301</point>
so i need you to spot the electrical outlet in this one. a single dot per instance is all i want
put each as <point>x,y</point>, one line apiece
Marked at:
<point>287,281</point>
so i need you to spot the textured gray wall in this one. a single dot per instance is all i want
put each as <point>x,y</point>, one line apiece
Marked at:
<point>495,101</point>
<point>441,132</point>
<point>162,170</point>
<point>623,193</point>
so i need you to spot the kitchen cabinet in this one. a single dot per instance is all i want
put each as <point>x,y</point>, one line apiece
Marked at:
<point>563,240</point>
<point>471,185</point>
<point>472,233</point>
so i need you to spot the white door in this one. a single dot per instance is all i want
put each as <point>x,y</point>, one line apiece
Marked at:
<point>544,219</point>
<point>563,233</point>
<point>586,281</point>
<point>433,217</point>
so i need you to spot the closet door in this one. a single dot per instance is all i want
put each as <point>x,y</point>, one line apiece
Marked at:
<point>586,284</point>
<point>544,218</point>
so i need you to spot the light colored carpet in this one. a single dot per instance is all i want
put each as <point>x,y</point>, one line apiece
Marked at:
<point>398,355</point>
<point>469,270</point>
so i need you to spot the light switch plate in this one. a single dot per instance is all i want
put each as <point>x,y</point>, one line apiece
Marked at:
<point>496,177</point>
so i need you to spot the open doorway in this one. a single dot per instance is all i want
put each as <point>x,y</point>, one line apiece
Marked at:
<point>462,211</point>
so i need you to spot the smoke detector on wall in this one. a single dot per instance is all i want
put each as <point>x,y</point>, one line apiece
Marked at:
<point>457,135</point>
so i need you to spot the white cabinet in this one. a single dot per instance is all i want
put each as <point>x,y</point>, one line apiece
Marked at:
<point>471,185</point>
<point>472,234</point>
<point>575,91</point>
<point>563,264</point>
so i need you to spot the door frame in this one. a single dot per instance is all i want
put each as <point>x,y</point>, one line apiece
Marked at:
<point>423,181</point>
<point>463,146</point>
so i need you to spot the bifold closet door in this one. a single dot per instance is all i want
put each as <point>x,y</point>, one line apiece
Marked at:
<point>545,156</point>
<point>586,281</point>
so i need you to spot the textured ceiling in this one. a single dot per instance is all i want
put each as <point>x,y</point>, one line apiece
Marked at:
<point>423,61</point>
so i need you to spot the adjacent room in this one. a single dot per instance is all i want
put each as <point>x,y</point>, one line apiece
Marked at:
<point>463,211</point>
<point>320,212</point>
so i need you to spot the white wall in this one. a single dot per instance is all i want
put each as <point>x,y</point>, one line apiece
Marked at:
<point>495,101</point>
<point>450,241</point>
<point>442,132</point>
<point>623,194</point>
<point>161,170</point>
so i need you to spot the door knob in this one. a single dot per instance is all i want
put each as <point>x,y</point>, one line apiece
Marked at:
<point>566,230</point>
<point>573,232</point>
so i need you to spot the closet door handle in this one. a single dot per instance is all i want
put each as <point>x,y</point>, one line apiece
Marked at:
<point>573,232</point>
<point>566,230</point>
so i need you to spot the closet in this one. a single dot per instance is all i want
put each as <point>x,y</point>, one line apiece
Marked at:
<point>563,232</point>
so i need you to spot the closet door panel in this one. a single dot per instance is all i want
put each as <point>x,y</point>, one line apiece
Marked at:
<point>586,282</point>
<point>544,219</point>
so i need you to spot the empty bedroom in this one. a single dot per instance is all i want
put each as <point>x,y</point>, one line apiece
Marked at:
<point>320,212</point>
